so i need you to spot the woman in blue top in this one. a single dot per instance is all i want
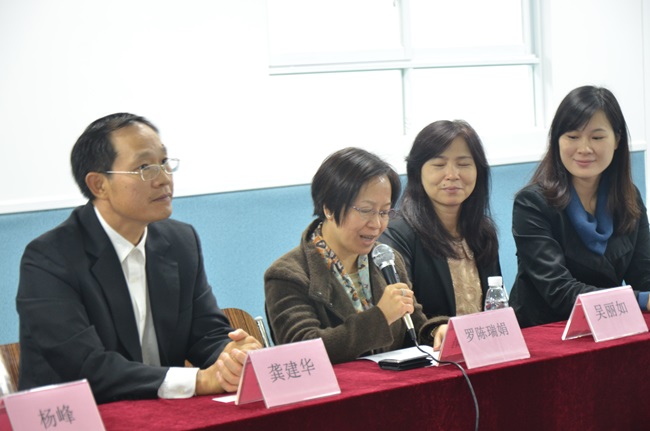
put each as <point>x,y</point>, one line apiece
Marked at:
<point>580,225</point>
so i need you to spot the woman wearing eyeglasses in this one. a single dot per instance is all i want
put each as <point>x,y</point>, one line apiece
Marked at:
<point>328,287</point>
<point>444,231</point>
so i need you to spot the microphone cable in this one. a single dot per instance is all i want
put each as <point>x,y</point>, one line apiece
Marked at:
<point>384,258</point>
<point>462,370</point>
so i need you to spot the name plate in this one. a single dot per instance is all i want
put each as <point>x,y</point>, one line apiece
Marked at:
<point>605,314</point>
<point>64,407</point>
<point>286,374</point>
<point>486,338</point>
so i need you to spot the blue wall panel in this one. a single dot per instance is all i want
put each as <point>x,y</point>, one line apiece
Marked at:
<point>242,233</point>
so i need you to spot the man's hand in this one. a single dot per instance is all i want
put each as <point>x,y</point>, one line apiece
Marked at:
<point>224,374</point>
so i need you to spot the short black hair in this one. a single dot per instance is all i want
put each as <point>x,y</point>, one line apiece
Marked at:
<point>94,151</point>
<point>341,176</point>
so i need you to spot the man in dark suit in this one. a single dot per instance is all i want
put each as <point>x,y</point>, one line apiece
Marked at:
<point>117,294</point>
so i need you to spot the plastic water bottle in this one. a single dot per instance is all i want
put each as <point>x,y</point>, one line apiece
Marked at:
<point>496,296</point>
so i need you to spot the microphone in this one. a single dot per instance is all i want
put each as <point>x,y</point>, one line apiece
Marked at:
<point>384,258</point>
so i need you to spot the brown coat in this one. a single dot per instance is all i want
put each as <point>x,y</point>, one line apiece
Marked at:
<point>305,301</point>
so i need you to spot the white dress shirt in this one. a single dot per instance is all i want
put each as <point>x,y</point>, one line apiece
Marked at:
<point>180,382</point>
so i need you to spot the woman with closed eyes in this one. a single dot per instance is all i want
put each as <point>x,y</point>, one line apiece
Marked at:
<point>444,231</point>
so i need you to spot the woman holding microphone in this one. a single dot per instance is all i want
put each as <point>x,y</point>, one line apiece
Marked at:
<point>329,287</point>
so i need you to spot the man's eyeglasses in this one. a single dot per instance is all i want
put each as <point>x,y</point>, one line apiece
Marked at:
<point>151,172</point>
<point>368,213</point>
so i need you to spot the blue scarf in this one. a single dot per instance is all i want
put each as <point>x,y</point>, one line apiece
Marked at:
<point>593,231</point>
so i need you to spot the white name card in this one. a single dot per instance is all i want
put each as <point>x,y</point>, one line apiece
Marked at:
<point>486,338</point>
<point>605,314</point>
<point>287,374</point>
<point>64,407</point>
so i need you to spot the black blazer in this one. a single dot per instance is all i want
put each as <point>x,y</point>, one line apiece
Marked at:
<point>430,276</point>
<point>554,266</point>
<point>76,316</point>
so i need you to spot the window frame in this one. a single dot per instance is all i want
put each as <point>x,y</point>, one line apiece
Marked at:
<point>408,59</point>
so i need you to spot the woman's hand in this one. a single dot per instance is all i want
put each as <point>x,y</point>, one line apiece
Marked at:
<point>438,336</point>
<point>396,301</point>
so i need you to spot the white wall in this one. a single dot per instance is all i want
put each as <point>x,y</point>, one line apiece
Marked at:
<point>599,42</point>
<point>198,70</point>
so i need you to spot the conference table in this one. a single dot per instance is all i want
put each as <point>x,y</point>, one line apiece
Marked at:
<point>564,385</point>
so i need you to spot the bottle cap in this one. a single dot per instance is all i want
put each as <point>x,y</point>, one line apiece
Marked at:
<point>495,281</point>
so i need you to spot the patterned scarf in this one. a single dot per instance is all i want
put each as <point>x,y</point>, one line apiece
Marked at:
<point>362,297</point>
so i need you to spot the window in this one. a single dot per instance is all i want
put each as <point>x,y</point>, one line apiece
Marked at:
<point>387,68</point>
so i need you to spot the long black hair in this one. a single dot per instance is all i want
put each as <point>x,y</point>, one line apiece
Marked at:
<point>475,223</point>
<point>574,112</point>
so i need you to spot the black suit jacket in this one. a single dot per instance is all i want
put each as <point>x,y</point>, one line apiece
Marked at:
<point>554,266</point>
<point>76,316</point>
<point>430,276</point>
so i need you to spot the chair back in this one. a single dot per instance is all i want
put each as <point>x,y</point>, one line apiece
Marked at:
<point>241,319</point>
<point>9,363</point>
